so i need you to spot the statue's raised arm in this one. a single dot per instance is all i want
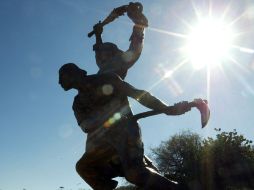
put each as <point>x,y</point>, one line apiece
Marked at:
<point>109,57</point>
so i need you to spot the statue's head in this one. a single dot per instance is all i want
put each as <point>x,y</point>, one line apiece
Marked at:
<point>105,52</point>
<point>69,75</point>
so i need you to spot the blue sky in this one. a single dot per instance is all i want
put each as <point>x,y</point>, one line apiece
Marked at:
<point>40,141</point>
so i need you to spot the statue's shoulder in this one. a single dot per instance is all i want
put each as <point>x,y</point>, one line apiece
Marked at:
<point>103,77</point>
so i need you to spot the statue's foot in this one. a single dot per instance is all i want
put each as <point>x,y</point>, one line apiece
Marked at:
<point>106,185</point>
<point>112,184</point>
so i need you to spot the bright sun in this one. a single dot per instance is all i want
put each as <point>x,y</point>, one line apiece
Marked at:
<point>209,43</point>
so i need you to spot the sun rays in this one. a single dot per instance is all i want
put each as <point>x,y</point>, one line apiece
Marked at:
<point>210,42</point>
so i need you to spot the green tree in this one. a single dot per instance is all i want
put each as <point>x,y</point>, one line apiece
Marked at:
<point>225,162</point>
<point>179,159</point>
<point>228,162</point>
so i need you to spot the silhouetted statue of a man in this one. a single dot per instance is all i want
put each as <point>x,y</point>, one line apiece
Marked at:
<point>109,57</point>
<point>114,146</point>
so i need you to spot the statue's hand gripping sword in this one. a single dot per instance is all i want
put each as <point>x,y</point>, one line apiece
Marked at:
<point>201,105</point>
<point>134,12</point>
<point>119,11</point>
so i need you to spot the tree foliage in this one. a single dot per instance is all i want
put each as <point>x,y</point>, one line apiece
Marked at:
<point>179,158</point>
<point>228,161</point>
<point>224,162</point>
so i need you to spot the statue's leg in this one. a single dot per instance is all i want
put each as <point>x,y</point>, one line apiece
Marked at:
<point>148,179</point>
<point>95,170</point>
<point>135,170</point>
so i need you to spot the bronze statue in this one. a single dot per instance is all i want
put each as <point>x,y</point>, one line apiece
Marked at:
<point>114,146</point>
<point>111,59</point>
<point>108,57</point>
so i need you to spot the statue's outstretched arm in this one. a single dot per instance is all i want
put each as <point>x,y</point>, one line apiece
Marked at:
<point>150,101</point>
<point>142,96</point>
